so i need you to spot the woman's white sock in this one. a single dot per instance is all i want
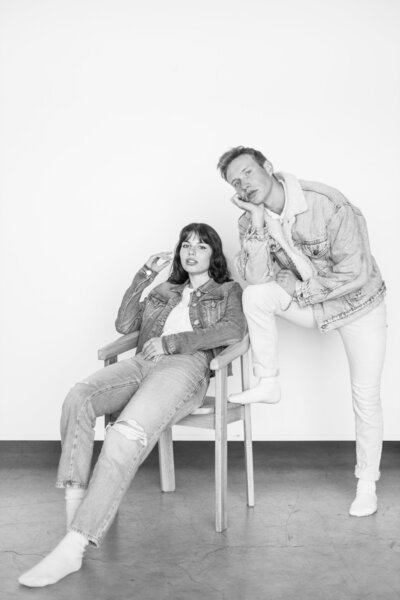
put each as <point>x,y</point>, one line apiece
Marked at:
<point>73,499</point>
<point>66,558</point>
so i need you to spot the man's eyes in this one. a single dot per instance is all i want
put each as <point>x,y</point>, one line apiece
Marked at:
<point>236,184</point>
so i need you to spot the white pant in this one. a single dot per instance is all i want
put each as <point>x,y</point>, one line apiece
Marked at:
<point>364,340</point>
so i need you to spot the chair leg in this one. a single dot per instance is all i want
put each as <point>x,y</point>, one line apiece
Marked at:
<point>248,439</point>
<point>166,461</point>
<point>248,452</point>
<point>221,452</point>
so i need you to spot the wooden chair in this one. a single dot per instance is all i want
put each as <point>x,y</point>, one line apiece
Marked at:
<point>215,413</point>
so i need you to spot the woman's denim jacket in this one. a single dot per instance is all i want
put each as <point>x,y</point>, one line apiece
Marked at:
<point>215,312</point>
<point>332,235</point>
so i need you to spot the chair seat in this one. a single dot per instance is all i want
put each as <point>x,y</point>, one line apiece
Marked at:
<point>208,407</point>
<point>204,416</point>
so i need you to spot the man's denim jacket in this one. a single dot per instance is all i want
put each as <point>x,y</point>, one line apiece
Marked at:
<point>215,312</point>
<point>332,235</point>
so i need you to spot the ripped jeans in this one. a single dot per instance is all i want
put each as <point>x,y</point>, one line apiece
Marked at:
<point>151,395</point>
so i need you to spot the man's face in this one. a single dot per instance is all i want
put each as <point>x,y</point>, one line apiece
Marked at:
<point>250,181</point>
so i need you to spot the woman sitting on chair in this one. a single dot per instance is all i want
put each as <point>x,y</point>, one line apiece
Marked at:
<point>182,324</point>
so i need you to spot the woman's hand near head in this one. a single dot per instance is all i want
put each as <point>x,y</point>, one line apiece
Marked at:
<point>158,262</point>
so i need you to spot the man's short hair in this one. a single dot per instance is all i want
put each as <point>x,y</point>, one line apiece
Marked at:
<point>226,159</point>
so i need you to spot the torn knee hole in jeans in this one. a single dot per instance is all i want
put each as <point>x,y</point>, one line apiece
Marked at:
<point>130,429</point>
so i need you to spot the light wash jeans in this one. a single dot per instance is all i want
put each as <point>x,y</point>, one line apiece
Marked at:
<point>365,342</point>
<point>152,395</point>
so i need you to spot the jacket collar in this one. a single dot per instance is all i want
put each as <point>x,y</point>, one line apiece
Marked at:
<point>294,196</point>
<point>207,287</point>
<point>295,202</point>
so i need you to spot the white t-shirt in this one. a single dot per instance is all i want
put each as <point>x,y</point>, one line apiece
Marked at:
<point>280,227</point>
<point>178,319</point>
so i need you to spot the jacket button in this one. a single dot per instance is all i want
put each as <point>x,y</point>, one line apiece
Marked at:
<point>194,304</point>
<point>198,294</point>
<point>196,322</point>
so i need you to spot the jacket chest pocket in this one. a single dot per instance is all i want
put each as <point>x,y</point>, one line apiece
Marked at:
<point>154,305</point>
<point>212,310</point>
<point>315,250</point>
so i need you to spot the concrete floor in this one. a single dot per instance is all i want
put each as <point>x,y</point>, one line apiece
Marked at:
<point>298,542</point>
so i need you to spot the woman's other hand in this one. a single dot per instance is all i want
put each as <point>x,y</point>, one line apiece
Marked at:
<point>152,348</point>
<point>158,262</point>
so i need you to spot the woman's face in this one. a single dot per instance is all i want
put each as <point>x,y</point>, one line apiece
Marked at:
<point>195,255</point>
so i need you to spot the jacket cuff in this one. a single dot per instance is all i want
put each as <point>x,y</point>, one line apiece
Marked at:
<point>168,344</point>
<point>257,233</point>
<point>301,294</point>
<point>147,272</point>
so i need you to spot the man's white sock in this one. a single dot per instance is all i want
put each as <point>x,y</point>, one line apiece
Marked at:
<point>365,502</point>
<point>268,391</point>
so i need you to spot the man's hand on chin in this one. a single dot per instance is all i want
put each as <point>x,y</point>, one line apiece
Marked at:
<point>256,210</point>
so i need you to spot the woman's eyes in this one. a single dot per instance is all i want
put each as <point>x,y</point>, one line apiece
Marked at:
<point>200,246</point>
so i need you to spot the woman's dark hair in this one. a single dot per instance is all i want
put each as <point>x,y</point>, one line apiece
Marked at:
<point>218,267</point>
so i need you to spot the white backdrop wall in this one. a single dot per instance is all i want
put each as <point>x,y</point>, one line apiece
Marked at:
<point>113,115</point>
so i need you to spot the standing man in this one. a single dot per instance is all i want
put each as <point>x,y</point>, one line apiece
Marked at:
<point>305,250</point>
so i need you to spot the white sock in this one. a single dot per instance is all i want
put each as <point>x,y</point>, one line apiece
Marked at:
<point>365,502</point>
<point>73,499</point>
<point>268,391</point>
<point>66,558</point>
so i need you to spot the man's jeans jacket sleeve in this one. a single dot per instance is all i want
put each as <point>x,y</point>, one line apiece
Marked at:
<point>215,313</point>
<point>254,261</point>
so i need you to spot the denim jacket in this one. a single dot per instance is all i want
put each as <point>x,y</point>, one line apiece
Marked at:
<point>332,235</point>
<point>215,313</point>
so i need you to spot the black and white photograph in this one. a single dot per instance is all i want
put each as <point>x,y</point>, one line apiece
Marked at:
<point>200,340</point>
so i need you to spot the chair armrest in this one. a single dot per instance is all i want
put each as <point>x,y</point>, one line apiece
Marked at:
<point>230,353</point>
<point>119,346</point>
